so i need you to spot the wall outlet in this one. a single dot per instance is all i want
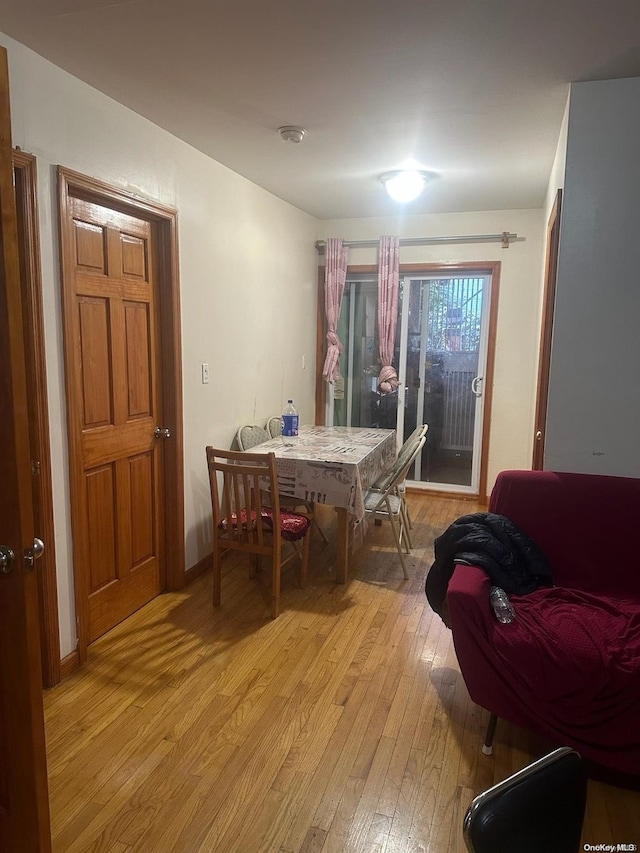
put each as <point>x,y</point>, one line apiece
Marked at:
<point>205,373</point>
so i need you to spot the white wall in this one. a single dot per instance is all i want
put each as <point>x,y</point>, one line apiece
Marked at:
<point>513,408</point>
<point>593,420</point>
<point>247,268</point>
<point>556,178</point>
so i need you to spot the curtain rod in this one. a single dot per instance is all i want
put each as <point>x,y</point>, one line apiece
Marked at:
<point>506,237</point>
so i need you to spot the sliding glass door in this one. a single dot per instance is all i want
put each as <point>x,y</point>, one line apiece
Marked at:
<point>442,359</point>
<point>440,356</point>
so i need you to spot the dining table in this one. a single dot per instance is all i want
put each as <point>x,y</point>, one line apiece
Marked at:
<point>333,465</point>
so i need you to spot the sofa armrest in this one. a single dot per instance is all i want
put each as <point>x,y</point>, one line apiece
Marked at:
<point>468,597</point>
<point>473,624</point>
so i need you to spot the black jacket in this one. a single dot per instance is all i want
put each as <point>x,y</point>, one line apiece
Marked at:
<point>495,544</point>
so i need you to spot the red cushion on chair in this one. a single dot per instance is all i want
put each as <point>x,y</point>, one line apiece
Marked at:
<point>293,526</point>
<point>234,520</point>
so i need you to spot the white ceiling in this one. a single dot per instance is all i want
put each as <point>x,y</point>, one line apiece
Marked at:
<point>473,90</point>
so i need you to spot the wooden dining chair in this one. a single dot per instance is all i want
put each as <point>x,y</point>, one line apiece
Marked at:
<point>274,429</point>
<point>388,502</point>
<point>243,520</point>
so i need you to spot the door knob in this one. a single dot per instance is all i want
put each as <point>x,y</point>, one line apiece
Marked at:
<point>34,553</point>
<point>162,432</point>
<point>7,559</point>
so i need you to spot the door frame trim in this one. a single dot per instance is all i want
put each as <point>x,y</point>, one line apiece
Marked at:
<point>26,184</point>
<point>164,221</point>
<point>546,332</point>
<point>491,268</point>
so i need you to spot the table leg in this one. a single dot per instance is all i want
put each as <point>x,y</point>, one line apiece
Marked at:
<point>343,525</point>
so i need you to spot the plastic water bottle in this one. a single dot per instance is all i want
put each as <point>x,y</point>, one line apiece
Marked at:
<point>502,607</point>
<point>290,424</point>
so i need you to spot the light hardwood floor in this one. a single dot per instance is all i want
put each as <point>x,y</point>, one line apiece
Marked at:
<point>344,725</point>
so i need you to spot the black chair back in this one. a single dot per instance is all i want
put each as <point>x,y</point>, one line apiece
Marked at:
<point>539,808</point>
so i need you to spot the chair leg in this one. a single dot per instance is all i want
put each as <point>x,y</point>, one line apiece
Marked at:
<point>397,535</point>
<point>310,510</point>
<point>404,509</point>
<point>487,746</point>
<point>276,571</point>
<point>402,494</point>
<point>407,535</point>
<point>404,534</point>
<point>319,529</point>
<point>254,566</point>
<point>217,575</point>
<point>304,558</point>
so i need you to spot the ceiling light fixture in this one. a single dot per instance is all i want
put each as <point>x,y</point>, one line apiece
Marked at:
<point>405,185</point>
<point>291,133</point>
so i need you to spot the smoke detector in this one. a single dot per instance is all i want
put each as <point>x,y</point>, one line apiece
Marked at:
<point>291,133</point>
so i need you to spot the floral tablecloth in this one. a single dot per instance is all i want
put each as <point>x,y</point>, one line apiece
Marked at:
<point>332,465</point>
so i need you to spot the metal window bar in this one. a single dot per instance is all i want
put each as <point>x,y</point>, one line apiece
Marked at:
<point>455,328</point>
<point>505,238</point>
<point>459,410</point>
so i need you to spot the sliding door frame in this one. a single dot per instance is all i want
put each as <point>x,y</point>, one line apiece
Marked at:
<point>488,268</point>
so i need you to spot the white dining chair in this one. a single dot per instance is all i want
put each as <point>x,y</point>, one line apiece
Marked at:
<point>250,435</point>
<point>388,502</point>
<point>386,477</point>
<point>274,426</point>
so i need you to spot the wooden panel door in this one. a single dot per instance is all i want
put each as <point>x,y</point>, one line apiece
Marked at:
<point>24,810</point>
<point>114,406</point>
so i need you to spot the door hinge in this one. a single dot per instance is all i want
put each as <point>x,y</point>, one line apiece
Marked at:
<point>35,467</point>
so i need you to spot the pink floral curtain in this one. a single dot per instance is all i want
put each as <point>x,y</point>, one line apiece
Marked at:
<point>335,275</point>
<point>388,285</point>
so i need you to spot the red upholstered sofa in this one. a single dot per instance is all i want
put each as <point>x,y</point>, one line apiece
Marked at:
<point>568,666</point>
